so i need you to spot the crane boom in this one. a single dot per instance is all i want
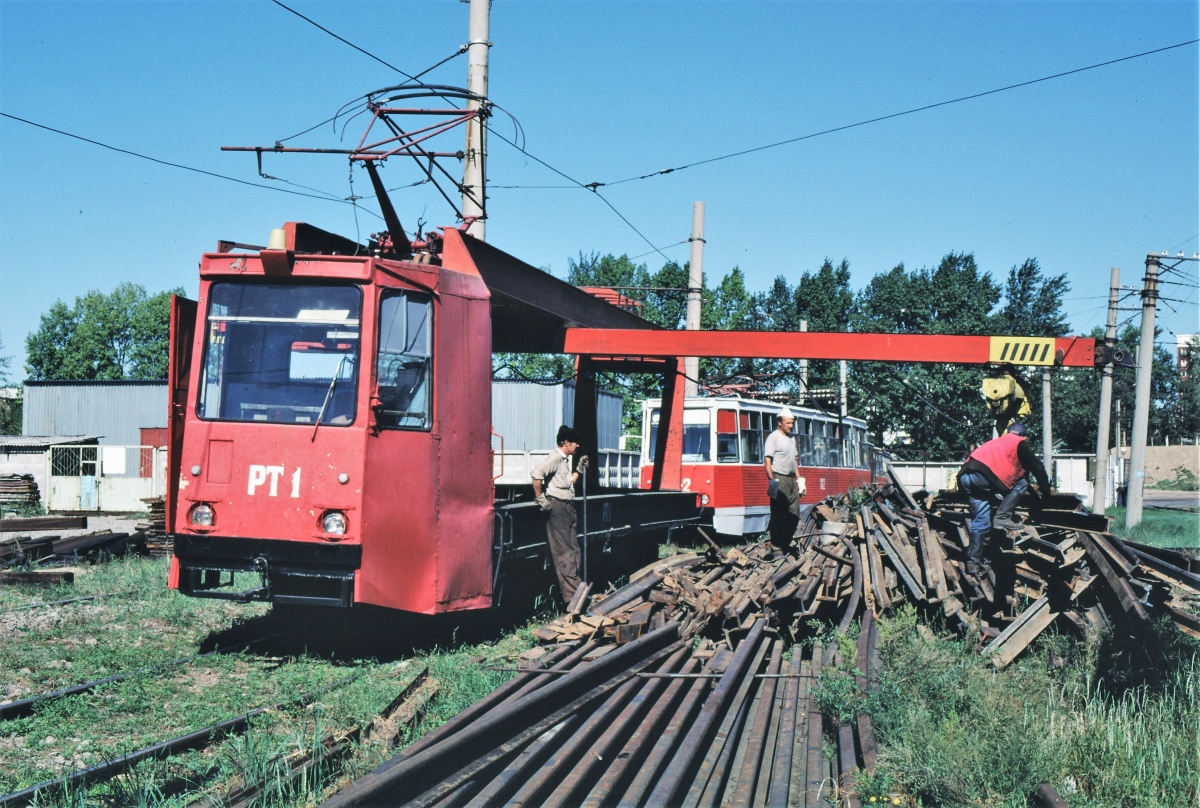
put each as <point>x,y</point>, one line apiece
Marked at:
<point>936,348</point>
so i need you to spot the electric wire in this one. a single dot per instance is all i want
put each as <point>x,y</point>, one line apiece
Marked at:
<point>325,198</point>
<point>343,40</point>
<point>600,196</point>
<point>880,118</point>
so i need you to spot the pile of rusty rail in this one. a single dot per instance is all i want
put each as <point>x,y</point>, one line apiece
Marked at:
<point>694,683</point>
<point>18,489</point>
<point>50,550</point>
<point>676,689</point>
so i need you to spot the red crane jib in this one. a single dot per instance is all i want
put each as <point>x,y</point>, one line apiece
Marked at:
<point>936,348</point>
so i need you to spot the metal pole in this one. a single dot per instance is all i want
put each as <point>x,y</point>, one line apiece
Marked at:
<point>1100,484</point>
<point>474,190</point>
<point>691,364</point>
<point>1141,400</point>
<point>585,530</point>
<point>803,368</point>
<point>1047,434</point>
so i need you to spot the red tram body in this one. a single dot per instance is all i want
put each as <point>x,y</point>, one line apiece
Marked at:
<point>722,456</point>
<point>275,397</point>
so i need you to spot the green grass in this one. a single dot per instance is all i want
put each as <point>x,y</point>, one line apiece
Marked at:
<point>50,647</point>
<point>1161,528</point>
<point>955,732</point>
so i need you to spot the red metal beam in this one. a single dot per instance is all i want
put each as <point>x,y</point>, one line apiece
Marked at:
<point>935,348</point>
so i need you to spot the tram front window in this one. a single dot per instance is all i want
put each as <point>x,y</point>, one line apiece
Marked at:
<point>281,353</point>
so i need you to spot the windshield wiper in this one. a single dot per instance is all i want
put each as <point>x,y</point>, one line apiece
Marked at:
<point>328,396</point>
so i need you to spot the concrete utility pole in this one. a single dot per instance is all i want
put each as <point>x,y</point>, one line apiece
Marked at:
<point>1141,398</point>
<point>842,378</point>
<point>691,364</point>
<point>474,193</point>
<point>1047,434</point>
<point>1100,484</point>
<point>803,368</point>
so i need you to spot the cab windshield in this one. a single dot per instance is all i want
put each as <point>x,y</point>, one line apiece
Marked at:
<point>281,353</point>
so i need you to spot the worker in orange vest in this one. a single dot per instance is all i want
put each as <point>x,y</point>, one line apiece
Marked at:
<point>1000,467</point>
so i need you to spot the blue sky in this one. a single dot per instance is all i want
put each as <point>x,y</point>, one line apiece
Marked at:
<point>1084,172</point>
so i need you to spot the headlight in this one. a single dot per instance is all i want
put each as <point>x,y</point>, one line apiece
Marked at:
<point>334,522</point>
<point>703,499</point>
<point>202,515</point>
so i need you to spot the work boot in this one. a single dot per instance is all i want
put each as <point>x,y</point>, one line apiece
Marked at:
<point>1006,513</point>
<point>975,552</point>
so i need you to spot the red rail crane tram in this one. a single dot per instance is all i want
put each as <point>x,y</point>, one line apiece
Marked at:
<point>331,423</point>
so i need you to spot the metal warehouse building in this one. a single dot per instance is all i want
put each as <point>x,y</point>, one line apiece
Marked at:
<point>527,414</point>
<point>117,411</point>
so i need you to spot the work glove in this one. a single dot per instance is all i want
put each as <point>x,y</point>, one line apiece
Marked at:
<point>583,464</point>
<point>773,489</point>
<point>543,502</point>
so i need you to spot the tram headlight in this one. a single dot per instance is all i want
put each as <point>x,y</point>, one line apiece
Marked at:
<point>334,522</point>
<point>202,515</point>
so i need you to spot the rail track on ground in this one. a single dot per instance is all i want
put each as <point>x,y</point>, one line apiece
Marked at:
<point>696,684</point>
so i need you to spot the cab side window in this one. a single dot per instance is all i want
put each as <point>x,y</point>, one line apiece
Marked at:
<point>404,364</point>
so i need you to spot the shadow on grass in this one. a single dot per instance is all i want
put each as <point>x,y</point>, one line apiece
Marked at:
<point>371,632</point>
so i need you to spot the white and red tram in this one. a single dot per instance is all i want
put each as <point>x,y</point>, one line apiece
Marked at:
<point>723,456</point>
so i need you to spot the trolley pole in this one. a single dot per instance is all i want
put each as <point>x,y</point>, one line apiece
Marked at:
<point>1100,484</point>
<point>474,193</point>
<point>1141,399</point>
<point>691,364</point>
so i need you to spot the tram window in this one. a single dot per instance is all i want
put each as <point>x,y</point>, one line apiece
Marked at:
<point>697,435</point>
<point>281,353</point>
<point>752,438</point>
<point>727,436</point>
<point>402,370</point>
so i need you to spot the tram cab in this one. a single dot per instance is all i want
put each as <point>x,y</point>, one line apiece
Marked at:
<point>722,460</point>
<point>330,420</point>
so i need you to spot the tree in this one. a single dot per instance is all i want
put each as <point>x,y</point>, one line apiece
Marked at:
<point>123,335</point>
<point>918,409</point>
<point>10,408</point>
<point>1077,399</point>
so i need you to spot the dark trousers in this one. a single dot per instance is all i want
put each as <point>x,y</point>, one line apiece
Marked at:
<point>564,546</point>
<point>980,495</point>
<point>785,511</point>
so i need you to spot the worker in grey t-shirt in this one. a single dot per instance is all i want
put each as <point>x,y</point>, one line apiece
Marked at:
<point>784,488</point>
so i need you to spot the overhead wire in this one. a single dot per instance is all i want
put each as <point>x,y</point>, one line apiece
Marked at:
<point>324,195</point>
<point>742,152</point>
<point>599,196</point>
<point>343,40</point>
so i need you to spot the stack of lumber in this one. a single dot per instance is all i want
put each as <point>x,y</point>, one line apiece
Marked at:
<point>154,528</point>
<point>18,489</point>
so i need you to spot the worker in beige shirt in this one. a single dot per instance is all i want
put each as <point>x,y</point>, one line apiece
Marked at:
<point>783,485</point>
<point>554,489</point>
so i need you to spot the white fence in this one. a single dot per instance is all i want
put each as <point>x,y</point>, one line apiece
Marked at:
<point>110,479</point>
<point>1070,475</point>
<point>617,469</point>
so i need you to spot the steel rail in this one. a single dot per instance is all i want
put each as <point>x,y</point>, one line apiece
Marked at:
<point>23,707</point>
<point>183,743</point>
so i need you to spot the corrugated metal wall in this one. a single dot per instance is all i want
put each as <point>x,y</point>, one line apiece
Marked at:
<point>116,410</point>
<point>528,414</point>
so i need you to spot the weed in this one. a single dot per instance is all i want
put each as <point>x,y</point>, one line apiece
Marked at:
<point>1184,480</point>
<point>1159,527</point>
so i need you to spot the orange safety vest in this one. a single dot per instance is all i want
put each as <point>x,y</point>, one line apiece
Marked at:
<point>1000,455</point>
